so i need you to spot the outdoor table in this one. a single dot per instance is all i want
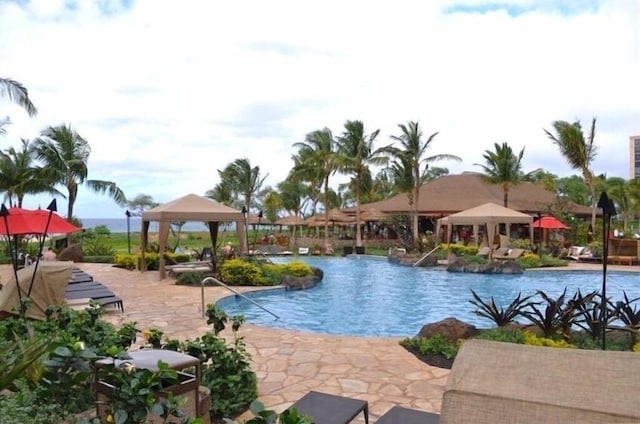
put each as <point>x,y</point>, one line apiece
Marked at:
<point>331,409</point>
<point>148,359</point>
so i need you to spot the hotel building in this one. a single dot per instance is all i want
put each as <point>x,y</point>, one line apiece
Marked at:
<point>634,156</point>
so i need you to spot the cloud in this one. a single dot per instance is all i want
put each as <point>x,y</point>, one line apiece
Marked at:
<point>167,94</point>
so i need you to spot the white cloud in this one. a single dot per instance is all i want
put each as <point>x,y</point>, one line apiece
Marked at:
<point>167,93</point>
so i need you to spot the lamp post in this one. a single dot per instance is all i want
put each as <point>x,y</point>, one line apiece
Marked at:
<point>255,233</point>
<point>246,236</point>
<point>608,211</point>
<point>539,252</point>
<point>128,214</point>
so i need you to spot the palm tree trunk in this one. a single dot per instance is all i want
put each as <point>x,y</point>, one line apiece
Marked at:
<point>505,196</point>
<point>358,238</point>
<point>414,212</point>
<point>326,213</point>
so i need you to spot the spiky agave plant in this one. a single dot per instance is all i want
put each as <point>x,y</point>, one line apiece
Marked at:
<point>628,313</point>
<point>500,316</point>
<point>556,317</point>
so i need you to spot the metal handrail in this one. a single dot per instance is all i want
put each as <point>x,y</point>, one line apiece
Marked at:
<point>220,283</point>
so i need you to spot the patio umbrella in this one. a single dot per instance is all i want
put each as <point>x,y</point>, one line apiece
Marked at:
<point>22,221</point>
<point>549,223</point>
<point>19,221</point>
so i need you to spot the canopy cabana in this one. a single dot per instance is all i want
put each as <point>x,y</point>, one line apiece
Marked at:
<point>488,214</point>
<point>190,208</point>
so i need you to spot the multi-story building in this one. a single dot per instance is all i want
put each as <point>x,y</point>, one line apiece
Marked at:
<point>634,156</point>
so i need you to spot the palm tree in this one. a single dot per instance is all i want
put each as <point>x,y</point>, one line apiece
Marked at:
<point>20,176</point>
<point>307,174</point>
<point>413,147</point>
<point>356,153</point>
<point>503,167</point>
<point>579,153</point>
<point>626,195</point>
<point>65,156</point>
<point>243,179</point>
<point>17,93</point>
<point>320,159</point>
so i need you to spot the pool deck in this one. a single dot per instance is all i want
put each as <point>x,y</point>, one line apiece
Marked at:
<point>288,363</point>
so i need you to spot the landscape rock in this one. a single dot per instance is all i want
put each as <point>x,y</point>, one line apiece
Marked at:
<point>300,283</point>
<point>459,264</point>
<point>453,329</point>
<point>71,253</point>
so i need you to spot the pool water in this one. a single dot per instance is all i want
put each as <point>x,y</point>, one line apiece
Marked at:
<point>366,296</point>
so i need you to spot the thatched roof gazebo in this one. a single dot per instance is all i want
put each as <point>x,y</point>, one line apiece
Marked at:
<point>454,193</point>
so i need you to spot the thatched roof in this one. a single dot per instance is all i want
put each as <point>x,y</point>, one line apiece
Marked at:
<point>454,193</point>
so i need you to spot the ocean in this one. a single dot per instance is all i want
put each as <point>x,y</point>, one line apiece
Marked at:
<point>119,225</point>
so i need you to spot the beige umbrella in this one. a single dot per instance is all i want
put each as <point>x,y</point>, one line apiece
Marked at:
<point>373,214</point>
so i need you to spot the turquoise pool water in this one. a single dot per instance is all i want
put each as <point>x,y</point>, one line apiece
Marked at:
<point>372,297</point>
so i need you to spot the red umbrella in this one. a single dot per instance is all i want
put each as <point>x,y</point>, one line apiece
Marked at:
<point>26,221</point>
<point>18,221</point>
<point>550,223</point>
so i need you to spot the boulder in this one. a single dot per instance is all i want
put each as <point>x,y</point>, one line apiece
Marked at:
<point>318,273</point>
<point>71,253</point>
<point>453,329</point>
<point>494,267</point>
<point>300,283</point>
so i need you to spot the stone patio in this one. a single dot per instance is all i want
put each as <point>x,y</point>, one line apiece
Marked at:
<point>288,363</point>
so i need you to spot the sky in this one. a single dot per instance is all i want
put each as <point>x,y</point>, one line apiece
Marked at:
<point>167,93</point>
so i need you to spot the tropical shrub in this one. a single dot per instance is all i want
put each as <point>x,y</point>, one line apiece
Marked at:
<point>236,272</point>
<point>95,242</point>
<point>533,340</point>
<point>630,316</point>
<point>191,279</point>
<point>521,243</point>
<point>436,345</point>
<point>460,249</point>
<point>268,416</point>
<point>499,316</point>
<point>503,334</point>
<point>552,261</point>
<point>61,384</point>
<point>125,261</point>
<point>297,269</point>
<point>588,311</point>
<point>555,319</point>
<point>529,260</point>
<point>226,369</point>
<point>151,260</point>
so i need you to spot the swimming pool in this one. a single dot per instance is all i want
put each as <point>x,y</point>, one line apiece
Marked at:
<point>372,297</point>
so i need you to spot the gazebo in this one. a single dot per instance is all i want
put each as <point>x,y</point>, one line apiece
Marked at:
<point>189,208</point>
<point>488,214</point>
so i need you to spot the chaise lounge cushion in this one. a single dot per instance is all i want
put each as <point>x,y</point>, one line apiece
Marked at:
<point>530,384</point>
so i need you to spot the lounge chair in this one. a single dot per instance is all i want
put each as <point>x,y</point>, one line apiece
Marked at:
<point>94,291</point>
<point>326,408</point>
<point>398,414</point>
<point>303,251</point>
<point>582,254</point>
<point>484,251</point>
<point>505,254</point>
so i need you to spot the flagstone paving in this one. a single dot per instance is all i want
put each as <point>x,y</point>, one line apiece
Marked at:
<point>288,364</point>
